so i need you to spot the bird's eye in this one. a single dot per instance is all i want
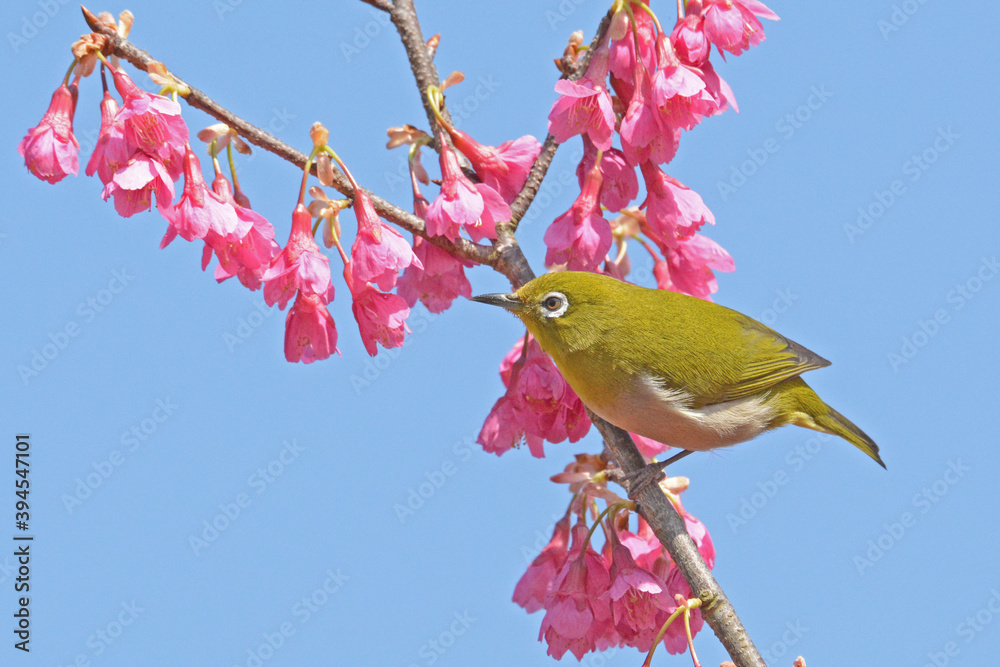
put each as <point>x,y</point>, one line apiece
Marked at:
<point>555,304</point>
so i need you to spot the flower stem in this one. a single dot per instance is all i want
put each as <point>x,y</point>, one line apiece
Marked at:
<point>232,166</point>
<point>613,508</point>
<point>652,15</point>
<point>687,630</point>
<point>70,71</point>
<point>340,163</point>
<point>436,98</point>
<point>100,56</point>
<point>305,175</point>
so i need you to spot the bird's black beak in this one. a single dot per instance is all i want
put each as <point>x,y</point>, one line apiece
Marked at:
<point>508,301</point>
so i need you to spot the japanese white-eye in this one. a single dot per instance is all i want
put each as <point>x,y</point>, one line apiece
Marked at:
<point>685,372</point>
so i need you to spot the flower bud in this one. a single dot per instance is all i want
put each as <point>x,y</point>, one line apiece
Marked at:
<point>432,45</point>
<point>319,134</point>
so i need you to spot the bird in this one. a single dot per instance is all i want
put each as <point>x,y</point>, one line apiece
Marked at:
<point>686,372</point>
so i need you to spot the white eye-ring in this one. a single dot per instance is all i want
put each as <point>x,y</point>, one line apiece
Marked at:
<point>554,304</point>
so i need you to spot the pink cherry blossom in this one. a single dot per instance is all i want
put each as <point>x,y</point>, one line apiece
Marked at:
<point>580,238</point>
<point>688,37</point>
<point>381,317</point>
<point>439,280</point>
<point>152,123</point>
<point>505,167</point>
<point>718,88</point>
<point>495,210</point>
<point>299,266</point>
<point>379,252</point>
<point>637,598</point>
<point>697,530</point>
<point>503,427</point>
<point>310,333</point>
<point>578,616</point>
<point>536,583</point>
<point>648,446</point>
<point>622,61</point>
<point>699,533</point>
<point>690,265</point>
<point>199,210</point>
<point>134,184</point>
<point>732,25</point>
<point>248,256</point>
<point>553,410</point>
<point>461,204</point>
<point>680,93</point>
<point>112,151</point>
<point>538,405</point>
<point>673,211</point>
<point>644,132</point>
<point>624,89</point>
<point>643,544</point>
<point>661,271</point>
<point>568,614</point>
<point>49,149</point>
<point>620,184</point>
<point>584,106</point>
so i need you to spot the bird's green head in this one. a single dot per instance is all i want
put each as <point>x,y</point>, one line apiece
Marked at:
<point>562,310</point>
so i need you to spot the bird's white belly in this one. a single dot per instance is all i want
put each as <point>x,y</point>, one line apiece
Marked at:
<point>666,415</point>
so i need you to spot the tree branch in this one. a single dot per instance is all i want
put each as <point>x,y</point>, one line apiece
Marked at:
<point>404,17</point>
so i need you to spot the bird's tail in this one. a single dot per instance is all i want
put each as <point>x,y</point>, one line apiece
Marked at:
<point>837,424</point>
<point>812,412</point>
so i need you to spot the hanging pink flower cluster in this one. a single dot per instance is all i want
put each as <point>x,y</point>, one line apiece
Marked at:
<point>378,254</point>
<point>648,86</point>
<point>140,149</point>
<point>440,278</point>
<point>461,206</point>
<point>620,595</point>
<point>539,404</point>
<point>143,148</point>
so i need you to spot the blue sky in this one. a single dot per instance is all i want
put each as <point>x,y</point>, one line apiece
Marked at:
<point>867,234</point>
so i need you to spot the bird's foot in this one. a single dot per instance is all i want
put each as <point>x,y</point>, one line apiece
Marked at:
<point>651,473</point>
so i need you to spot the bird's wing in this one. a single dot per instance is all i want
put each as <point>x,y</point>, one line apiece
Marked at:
<point>722,354</point>
<point>771,358</point>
